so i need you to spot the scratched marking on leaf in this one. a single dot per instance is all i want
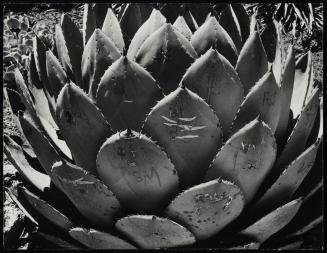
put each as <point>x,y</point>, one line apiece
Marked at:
<point>187,137</point>
<point>187,119</point>
<point>169,120</point>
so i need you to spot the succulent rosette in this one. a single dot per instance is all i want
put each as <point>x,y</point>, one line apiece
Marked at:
<point>157,135</point>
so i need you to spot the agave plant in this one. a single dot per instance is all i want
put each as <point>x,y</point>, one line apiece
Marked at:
<point>157,137</point>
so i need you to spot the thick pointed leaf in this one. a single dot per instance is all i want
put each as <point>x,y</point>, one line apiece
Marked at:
<point>302,84</point>
<point>89,22</point>
<point>210,34</point>
<point>133,166</point>
<point>313,191</point>
<point>43,100</point>
<point>272,222</point>
<point>16,156</point>
<point>214,79</point>
<point>286,90</point>
<point>90,196</point>
<point>308,227</point>
<point>298,138</point>
<point>82,125</point>
<point>152,232</point>
<point>264,100</point>
<point>229,22</point>
<point>243,20</point>
<point>288,182</point>
<point>207,208</point>
<point>269,38</point>
<point>100,11</point>
<point>154,22</point>
<point>130,22</point>
<point>69,44</point>
<point>249,154</point>
<point>291,246</point>
<point>166,54</point>
<point>39,54</point>
<point>48,211</point>
<point>190,21</point>
<point>45,152</point>
<point>281,59</point>
<point>188,130</point>
<point>53,239</point>
<point>95,239</point>
<point>126,94</point>
<point>36,112</point>
<point>99,53</point>
<point>182,27</point>
<point>252,62</point>
<point>112,29</point>
<point>253,25</point>
<point>252,245</point>
<point>56,75</point>
<point>39,50</point>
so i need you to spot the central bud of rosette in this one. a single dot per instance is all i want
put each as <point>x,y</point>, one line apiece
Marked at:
<point>137,171</point>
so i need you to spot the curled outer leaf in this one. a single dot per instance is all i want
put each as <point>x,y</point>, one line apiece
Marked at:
<point>37,112</point>
<point>112,29</point>
<point>56,75</point>
<point>153,23</point>
<point>99,53</point>
<point>16,156</point>
<point>243,20</point>
<point>250,153</point>
<point>43,149</point>
<point>302,83</point>
<point>288,182</point>
<point>272,222</point>
<point>89,22</point>
<point>166,54</point>
<point>264,100</point>
<point>15,105</point>
<point>229,22</point>
<point>181,26</point>
<point>78,115</point>
<point>207,208</point>
<point>252,62</point>
<point>286,90</point>
<point>188,130</point>
<point>298,138</point>
<point>90,196</point>
<point>211,33</point>
<point>214,79</point>
<point>95,239</point>
<point>48,211</point>
<point>126,94</point>
<point>69,44</point>
<point>133,166</point>
<point>150,232</point>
